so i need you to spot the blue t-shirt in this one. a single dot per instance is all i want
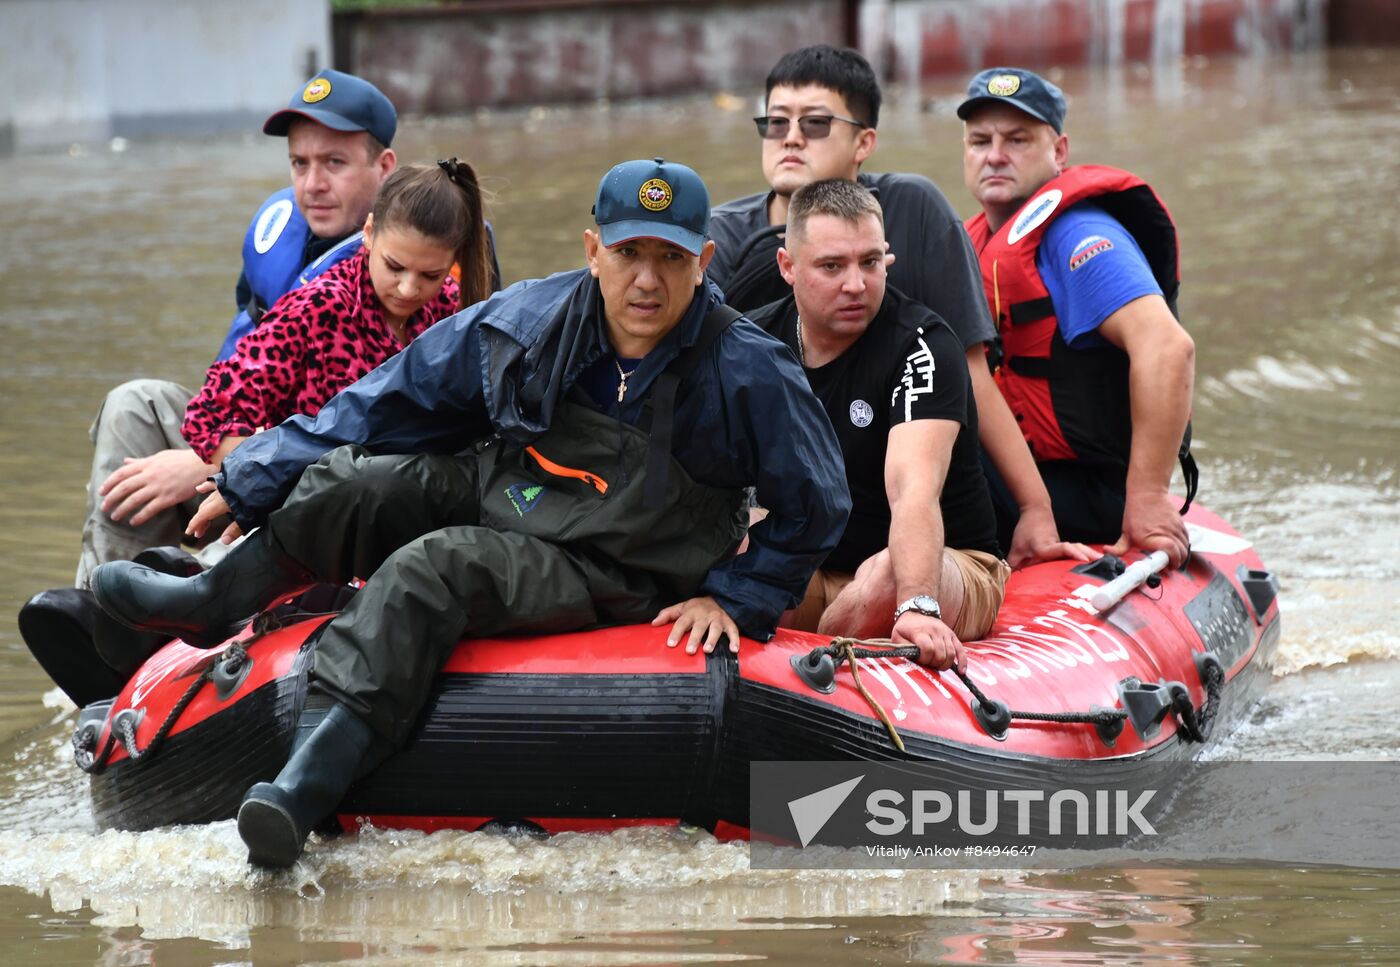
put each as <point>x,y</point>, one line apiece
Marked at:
<point>1092,267</point>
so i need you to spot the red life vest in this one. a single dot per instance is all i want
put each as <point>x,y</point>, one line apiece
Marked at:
<point>1071,404</point>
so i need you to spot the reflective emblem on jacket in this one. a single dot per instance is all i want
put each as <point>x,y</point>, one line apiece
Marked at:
<point>272,261</point>
<point>1071,404</point>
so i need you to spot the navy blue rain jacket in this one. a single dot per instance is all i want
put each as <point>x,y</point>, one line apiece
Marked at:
<point>744,417</point>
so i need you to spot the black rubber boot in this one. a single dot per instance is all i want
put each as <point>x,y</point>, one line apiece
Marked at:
<point>170,560</point>
<point>124,649</point>
<point>208,608</point>
<point>276,817</point>
<point>87,652</point>
<point>60,628</point>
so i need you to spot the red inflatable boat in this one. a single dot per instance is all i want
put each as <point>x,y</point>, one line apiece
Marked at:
<point>606,728</point>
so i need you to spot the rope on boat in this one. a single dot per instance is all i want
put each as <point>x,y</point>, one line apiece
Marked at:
<point>1196,723</point>
<point>125,723</point>
<point>1199,722</point>
<point>266,622</point>
<point>844,649</point>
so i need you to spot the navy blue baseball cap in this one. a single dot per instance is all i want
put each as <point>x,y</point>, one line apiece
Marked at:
<point>1022,89</point>
<point>653,199</point>
<point>342,102</point>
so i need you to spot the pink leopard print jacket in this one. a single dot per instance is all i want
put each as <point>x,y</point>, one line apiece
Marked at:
<point>312,343</point>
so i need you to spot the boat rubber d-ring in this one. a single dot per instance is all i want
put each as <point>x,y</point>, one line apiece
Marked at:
<point>996,721</point>
<point>817,670</point>
<point>229,672</point>
<point>1206,662</point>
<point>1109,728</point>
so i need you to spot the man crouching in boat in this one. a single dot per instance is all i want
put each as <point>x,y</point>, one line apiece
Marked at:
<point>919,558</point>
<point>614,416</point>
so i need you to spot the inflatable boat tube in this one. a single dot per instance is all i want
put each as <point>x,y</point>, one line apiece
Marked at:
<point>605,728</point>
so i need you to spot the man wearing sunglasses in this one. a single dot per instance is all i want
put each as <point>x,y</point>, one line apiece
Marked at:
<point>821,110</point>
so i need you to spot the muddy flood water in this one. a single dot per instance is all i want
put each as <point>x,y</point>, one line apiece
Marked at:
<point>1283,176</point>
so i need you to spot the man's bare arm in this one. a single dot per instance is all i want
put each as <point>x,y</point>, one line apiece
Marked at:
<point>1162,371</point>
<point>916,465</point>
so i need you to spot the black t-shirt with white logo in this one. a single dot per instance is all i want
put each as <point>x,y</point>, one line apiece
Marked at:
<point>906,366</point>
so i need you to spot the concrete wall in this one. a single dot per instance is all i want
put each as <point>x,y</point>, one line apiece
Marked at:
<point>533,51</point>
<point>502,52</point>
<point>918,39</point>
<point>81,70</point>
<point>1364,22</point>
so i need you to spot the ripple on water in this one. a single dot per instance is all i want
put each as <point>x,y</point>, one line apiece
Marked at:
<point>1332,543</point>
<point>194,880</point>
<point>1289,287</point>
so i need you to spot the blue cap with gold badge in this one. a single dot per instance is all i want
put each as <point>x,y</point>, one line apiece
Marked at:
<point>653,199</point>
<point>1022,89</point>
<point>342,102</point>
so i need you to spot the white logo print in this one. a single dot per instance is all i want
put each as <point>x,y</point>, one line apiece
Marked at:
<point>1037,210</point>
<point>918,377</point>
<point>862,413</point>
<point>270,225</point>
<point>155,671</point>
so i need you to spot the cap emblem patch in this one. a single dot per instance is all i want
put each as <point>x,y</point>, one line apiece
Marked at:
<point>318,90</point>
<point>655,195</point>
<point>1004,85</point>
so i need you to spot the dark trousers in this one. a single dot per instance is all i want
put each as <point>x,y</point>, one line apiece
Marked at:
<point>556,537</point>
<point>1087,501</point>
<point>409,526</point>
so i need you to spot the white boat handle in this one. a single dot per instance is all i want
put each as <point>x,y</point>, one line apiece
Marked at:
<point>1137,573</point>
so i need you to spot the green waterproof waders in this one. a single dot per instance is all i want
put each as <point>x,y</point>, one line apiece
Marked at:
<point>556,536</point>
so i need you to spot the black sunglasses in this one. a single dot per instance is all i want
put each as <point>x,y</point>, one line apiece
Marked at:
<point>813,126</point>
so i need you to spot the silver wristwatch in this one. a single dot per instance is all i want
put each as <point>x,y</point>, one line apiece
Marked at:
<point>921,603</point>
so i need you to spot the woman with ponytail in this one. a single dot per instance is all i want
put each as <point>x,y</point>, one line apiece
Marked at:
<point>320,338</point>
<point>311,344</point>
